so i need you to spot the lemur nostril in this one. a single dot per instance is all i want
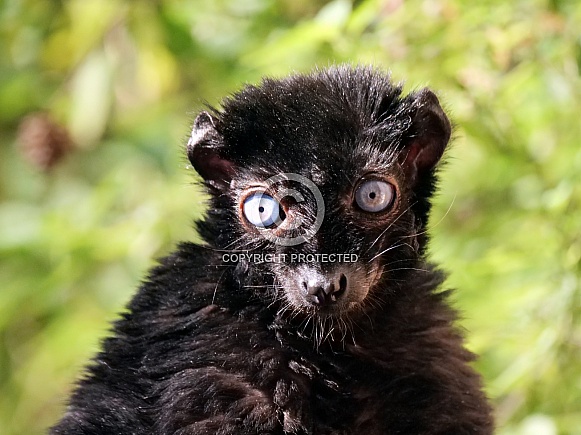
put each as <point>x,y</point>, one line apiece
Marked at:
<point>339,291</point>
<point>342,283</point>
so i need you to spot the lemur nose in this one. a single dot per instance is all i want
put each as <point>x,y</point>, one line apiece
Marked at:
<point>320,291</point>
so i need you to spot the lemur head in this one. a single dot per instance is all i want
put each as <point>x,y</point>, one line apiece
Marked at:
<point>336,163</point>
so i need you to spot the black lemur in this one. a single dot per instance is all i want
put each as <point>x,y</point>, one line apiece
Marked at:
<point>310,308</point>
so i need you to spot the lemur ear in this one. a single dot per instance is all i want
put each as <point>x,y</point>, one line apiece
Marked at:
<point>205,152</point>
<point>428,135</point>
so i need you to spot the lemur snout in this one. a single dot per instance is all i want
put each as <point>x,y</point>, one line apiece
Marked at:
<point>323,290</point>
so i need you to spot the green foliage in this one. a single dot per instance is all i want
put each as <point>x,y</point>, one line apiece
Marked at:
<point>122,80</point>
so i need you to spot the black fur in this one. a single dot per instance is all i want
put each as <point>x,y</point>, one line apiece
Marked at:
<point>209,346</point>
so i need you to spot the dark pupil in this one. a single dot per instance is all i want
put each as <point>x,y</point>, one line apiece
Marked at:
<point>372,195</point>
<point>261,209</point>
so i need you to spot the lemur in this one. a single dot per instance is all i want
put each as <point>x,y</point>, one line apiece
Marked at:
<point>310,308</point>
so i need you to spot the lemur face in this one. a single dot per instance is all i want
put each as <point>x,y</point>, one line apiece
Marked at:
<point>326,230</point>
<point>322,184</point>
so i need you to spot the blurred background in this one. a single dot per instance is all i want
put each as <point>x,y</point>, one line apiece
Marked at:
<point>97,97</point>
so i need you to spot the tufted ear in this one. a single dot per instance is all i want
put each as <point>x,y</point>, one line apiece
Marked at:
<point>205,152</point>
<point>428,135</point>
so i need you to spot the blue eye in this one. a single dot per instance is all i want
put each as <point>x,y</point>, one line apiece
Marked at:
<point>261,210</point>
<point>374,195</point>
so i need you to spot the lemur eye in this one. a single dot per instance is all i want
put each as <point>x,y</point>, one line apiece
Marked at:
<point>261,210</point>
<point>374,195</point>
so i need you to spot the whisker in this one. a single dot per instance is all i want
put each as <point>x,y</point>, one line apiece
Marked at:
<point>389,226</point>
<point>431,227</point>
<point>386,250</point>
<point>217,284</point>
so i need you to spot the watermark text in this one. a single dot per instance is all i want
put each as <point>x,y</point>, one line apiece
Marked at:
<point>254,257</point>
